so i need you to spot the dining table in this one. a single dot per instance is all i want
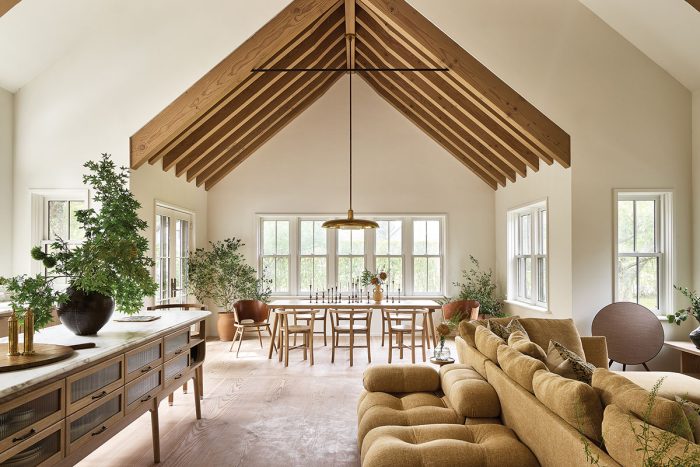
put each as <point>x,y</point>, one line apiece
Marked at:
<point>314,304</point>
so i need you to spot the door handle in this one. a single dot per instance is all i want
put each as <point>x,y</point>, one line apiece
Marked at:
<point>101,430</point>
<point>29,434</point>
<point>100,395</point>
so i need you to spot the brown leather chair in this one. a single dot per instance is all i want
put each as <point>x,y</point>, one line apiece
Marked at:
<point>250,315</point>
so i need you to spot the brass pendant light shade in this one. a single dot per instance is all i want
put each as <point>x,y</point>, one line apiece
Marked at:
<point>350,223</point>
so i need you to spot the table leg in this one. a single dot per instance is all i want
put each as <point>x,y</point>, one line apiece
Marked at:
<point>155,431</point>
<point>431,329</point>
<point>272,338</point>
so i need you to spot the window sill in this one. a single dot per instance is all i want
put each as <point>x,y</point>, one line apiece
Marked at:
<point>527,306</point>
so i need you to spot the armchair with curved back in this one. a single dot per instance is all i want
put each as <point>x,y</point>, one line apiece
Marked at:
<point>250,315</point>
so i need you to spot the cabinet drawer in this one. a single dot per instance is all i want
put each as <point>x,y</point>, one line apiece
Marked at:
<point>44,449</point>
<point>143,359</point>
<point>92,422</point>
<point>93,384</point>
<point>143,389</point>
<point>176,343</point>
<point>23,418</point>
<point>175,368</point>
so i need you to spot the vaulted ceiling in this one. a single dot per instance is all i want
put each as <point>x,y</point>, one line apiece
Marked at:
<point>229,113</point>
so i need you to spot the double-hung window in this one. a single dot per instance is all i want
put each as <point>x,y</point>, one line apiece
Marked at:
<point>173,241</point>
<point>427,256</point>
<point>275,258</point>
<point>350,257</point>
<point>388,251</point>
<point>313,256</point>
<point>527,281</point>
<point>643,248</point>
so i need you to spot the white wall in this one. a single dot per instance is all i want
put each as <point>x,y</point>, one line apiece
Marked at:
<point>696,189</point>
<point>6,149</point>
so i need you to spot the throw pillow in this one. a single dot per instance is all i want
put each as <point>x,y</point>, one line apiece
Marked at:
<point>566,363</point>
<point>488,343</point>
<point>505,331</point>
<point>520,342</point>
<point>692,413</point>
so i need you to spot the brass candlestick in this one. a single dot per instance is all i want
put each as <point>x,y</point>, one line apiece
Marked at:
<point>12,336</point>
<point>28,333</point>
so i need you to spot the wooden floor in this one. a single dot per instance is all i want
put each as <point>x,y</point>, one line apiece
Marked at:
<point>256,412</point>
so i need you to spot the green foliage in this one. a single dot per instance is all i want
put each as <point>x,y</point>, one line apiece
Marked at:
<point>693,310</point>
<point>222,275</point>
<point>479,285</point>
<point>33,293</point>
<point>371,278</point>
<point>113,259</point>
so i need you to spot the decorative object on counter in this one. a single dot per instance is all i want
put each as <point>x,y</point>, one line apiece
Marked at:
<point>112,265</point>
<point>12,336</point>
<point>221,274</point>
<point>376,280</point>
<point>693,310</point>
<point>136,319</point>
<point>43,354</point>
<point>480,286</point>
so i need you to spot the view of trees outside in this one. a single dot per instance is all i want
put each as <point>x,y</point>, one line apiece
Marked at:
<point>62,221</point>
<point>426,256</point>
<point>351,257</point>
<point>638,255</point>
<point>275,260</point>
<point>388,253</point>
<point>313,267</point>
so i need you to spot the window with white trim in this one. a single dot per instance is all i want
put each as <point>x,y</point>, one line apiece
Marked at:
<point>643,249</point>
<point>528,265</point>
<point>173,232</point>
<point>301,257</point>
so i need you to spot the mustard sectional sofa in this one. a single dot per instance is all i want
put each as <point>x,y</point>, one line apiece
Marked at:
<point>502,407</point>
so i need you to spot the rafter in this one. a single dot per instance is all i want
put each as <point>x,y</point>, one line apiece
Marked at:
<point>694,3</point>
<point>7,5</point>
<point>350,32</point>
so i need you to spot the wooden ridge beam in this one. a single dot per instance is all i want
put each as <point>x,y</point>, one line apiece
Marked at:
<point>474,121</point>
<point>694,3</point>
<point>224,77</point>
<point>218,121</point>
<point>281,121</point>
<point>7,5</point>
<point>350,32</point>
<point>501,99</point>
<point>263,105</point>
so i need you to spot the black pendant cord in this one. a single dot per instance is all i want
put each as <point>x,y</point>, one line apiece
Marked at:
<point>350,86</point>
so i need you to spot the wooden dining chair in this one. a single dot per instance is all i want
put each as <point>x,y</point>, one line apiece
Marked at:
<point>200,370</point>
<point>305,318</point>
<point>400,328</point>
<point>250,316</point>
<point>398,318</point>
<point>350,323</point>
<point>286,329</point>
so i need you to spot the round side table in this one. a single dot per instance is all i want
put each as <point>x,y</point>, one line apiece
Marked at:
<point>441,362</point>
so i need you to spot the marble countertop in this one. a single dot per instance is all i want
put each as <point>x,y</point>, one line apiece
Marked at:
<point>111,339</point>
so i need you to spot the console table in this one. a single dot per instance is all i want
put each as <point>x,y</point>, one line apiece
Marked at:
<point>59,413</point>
<point>690,357</point>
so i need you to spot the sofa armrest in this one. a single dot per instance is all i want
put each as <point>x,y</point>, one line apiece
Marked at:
<point>596,350</point>
<point>401,378</point>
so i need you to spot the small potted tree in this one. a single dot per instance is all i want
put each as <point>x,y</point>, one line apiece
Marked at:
<point>221,274</point>
<point>478,293</point>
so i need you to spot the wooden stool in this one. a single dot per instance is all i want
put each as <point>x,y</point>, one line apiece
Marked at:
<point>285,329</point>
<point>403,328</point>
<point>358,322</point>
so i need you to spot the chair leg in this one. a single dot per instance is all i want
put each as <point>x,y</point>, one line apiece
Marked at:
<point>240,341</point>
<point>422,347</point>
<point>401,345</point>
<point>311,348</point>
<point>305,337</point>
<point>413,345</point>
<point>280,344</point>
<point>391,345</point>
<point>624,367</point>
<point>352,343</point>
<point>260,338</point>
<point>369,352</point>
<point>286,350</point>
<point>383,328</point>
<point>332,346</point>
<point>325,322</point>
<point>233,342</point>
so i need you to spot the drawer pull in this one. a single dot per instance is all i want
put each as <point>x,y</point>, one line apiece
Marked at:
<point>29,434</point>
<point>145,398</point>
<point>178,351</point>
<point>100,395</point>
<point>178,376</point>
<point>101,430</point>
<point>146,370</point>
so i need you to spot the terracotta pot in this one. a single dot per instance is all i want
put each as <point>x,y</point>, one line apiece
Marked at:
<point>224,326</point>
<point>468,308</point>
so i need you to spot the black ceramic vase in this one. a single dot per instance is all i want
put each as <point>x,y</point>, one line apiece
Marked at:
<point>85,313</point>
<point>695,337</point>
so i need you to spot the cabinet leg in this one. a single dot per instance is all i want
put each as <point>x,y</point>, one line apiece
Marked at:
<point>197,407</point>
<point>155,432</point>
<point>170,399</point>
<point>201,381</point>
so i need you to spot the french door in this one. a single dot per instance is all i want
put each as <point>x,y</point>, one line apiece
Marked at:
<point>173,236</point>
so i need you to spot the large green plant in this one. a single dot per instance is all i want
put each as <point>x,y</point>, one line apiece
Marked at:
<point>222,275</point>
<point>693,310</point>
<point>479,285</point>
<point>32,293</point>
<point>113,259</point>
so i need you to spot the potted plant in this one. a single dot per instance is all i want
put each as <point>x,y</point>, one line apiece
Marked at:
<point>693,310</point>
<point>112,265</point>
<point>221,274</point>
<point>480,286</point>
<point>377,280</point>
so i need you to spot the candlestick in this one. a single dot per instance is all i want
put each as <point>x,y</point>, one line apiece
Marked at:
<point>368,296</point>
<point>309,293</point>
<point>316,297</point>
<point>399,294</point>
<point>323,297</point>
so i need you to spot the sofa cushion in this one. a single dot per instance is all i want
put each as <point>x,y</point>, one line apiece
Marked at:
<point>543,330</point>
<point>566,363</point>
<point>487,445</point>
<point>505,331</point>
<point>692,413</point>
<point>675,384</point>
<point>488,343</point>
<point>469,394</point>
<point>467,329</point>
<point>382,409</point>
<point>665,414</point>
<point>519,367</point>
<point>575,402</point>
<point>620,429</point>
<point>522,343</point>
<point>401,378</point>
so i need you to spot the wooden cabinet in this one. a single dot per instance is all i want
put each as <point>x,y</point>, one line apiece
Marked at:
<point>143,359</point>
<point>175,368</point>
<point>44,449</point>
<point>95,383</point>
<point>143,389</point>
<point>25,417</point>
<point>93,421</point>
<point>176,343</point>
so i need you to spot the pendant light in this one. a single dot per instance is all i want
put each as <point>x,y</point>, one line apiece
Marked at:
<point>350,223</point>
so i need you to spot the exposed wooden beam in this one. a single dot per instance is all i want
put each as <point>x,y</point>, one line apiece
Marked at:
<point>501,99</point>
<point>350,32</point>
<point>272,130</point>
<point>225,77</point>
<point>6,5</point>
<point>694,3</point>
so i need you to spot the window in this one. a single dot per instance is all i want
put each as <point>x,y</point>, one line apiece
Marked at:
<point>298,254</point>
<point>173,241</point>
<point>276,254</point>
<point>527,271</point>
<point>642,245</point>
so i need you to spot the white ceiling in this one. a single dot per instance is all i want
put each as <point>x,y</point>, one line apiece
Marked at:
<point>667,31</point>
<point>36,33</point>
